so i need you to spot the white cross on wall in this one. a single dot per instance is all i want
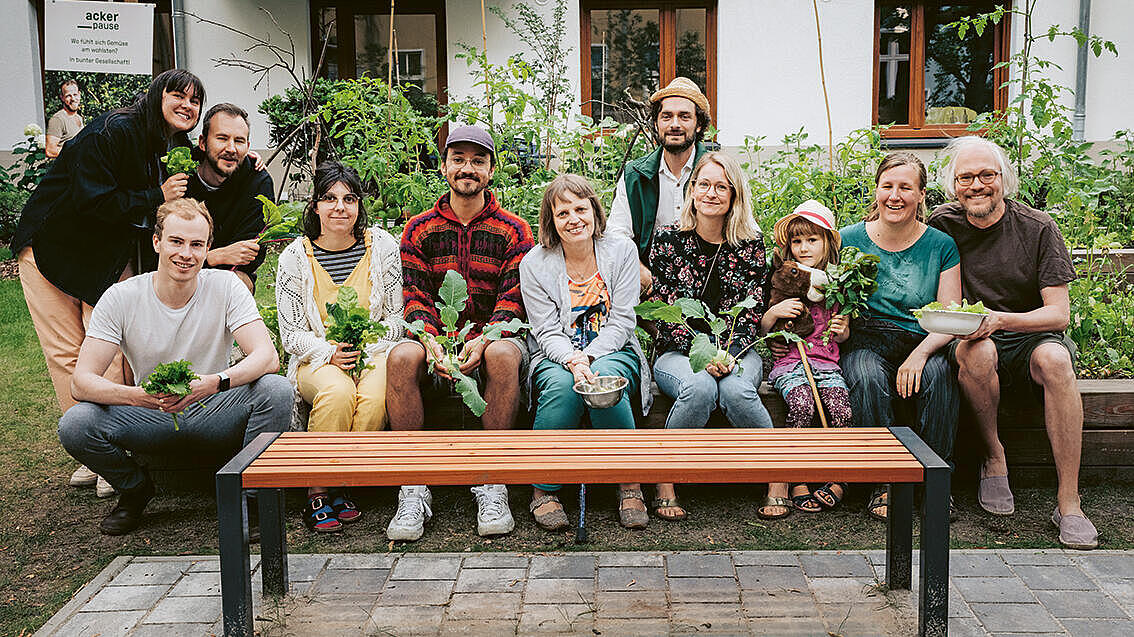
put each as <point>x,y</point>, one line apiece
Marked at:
<point>891,60</point>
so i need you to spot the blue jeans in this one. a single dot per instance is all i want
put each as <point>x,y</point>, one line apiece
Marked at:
<point>559,407</point>
<point>870,363</point>
<point>100,436</point>
<point>695,396</point>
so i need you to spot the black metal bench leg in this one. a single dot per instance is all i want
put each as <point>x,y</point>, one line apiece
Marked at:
<point>236,586</point>
<point>273,542</point>
<point>933,600</point>
<point>899,536</point>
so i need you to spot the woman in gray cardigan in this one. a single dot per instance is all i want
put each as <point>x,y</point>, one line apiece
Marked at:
<point>579,292</point>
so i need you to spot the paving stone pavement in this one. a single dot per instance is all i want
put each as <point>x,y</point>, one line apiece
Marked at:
<point>992,593</point>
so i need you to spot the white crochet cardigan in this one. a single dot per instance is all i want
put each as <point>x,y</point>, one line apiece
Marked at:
<point>301,328</point>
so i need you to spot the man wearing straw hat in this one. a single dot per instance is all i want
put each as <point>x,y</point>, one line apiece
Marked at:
<point>652,188</point>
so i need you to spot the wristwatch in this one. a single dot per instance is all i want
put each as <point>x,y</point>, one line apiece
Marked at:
<point>224,383</point>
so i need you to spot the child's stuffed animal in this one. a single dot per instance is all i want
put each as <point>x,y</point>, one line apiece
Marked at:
<point>793,280</point>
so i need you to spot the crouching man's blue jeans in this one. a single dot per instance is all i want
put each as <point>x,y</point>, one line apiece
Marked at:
<point>100,436</point>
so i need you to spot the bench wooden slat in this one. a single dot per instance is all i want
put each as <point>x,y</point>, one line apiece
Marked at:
<point>363,461</point>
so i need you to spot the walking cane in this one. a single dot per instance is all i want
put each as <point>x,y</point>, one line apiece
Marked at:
<point>811,381</point>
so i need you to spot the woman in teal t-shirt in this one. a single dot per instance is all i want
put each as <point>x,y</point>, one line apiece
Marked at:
<point>889,358</point>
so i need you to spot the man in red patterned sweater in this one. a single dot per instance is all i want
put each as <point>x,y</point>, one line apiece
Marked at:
<point>469,232</point>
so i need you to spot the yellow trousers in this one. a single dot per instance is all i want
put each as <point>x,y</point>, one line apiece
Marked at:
<point>338,403</point>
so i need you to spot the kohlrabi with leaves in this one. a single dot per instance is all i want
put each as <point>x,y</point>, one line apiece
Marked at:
<point>454,296</point>
<point>282,221</point>
<point>350,323</point>
<point>850,282</point>
<point>709,348</point>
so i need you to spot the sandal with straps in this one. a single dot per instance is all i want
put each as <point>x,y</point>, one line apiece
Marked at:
<point>805,502</point>
<point>345,510</point>
<point>318,515</point>
<point>825,495</point>
<point>555,520</point>
<point>878,500</point>
<point>629,517</point>
<point>668,503</point>
<point>773,501</point>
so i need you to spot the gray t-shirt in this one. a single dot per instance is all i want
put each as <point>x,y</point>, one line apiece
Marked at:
<point>63,126</point>
<point>149,332</point>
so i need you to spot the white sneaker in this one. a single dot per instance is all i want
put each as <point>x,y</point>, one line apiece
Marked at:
<point>493,517</point>
<point>103,488</point>
<point>415,507</point>
<point>83,477</point>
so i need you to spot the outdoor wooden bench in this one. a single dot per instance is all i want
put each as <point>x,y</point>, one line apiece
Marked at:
<point>274,461</point>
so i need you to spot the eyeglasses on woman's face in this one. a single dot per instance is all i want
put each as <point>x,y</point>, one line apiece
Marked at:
<point>349,199</point>
<point>986,177</point>
<point>702,186</point>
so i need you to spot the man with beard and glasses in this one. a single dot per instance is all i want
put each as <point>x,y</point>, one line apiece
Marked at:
<point>469,232</point>
<point>66,122</point>
<point>1014,260</point>
<point>227,182</point>
<point>652,188</point>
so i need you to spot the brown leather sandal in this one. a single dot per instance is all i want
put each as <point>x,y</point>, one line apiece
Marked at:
<point>629,517</point>
<point>555,520</point>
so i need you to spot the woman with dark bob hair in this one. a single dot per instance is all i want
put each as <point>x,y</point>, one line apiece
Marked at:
<point>89,221</point>
<point>580,289</point>
<point>337,251</point>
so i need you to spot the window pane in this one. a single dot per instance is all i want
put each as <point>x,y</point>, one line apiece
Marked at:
<point>625,47</point>
<point>330,58</point>
<point>415,41</point>
<point>894,65</point>
<point>691,45</point>
<point>958,73</point>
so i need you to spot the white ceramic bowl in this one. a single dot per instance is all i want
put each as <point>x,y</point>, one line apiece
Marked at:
<point>605,392</point>
<point>947,322</point>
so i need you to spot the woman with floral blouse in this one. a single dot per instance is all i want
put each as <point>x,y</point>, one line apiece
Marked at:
<point>715,254</point>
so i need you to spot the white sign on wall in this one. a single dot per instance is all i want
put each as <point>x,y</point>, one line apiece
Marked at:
<point>98,37</point>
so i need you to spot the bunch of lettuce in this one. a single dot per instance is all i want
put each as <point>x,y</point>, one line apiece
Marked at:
<point>850,282</point>
<point>179,160</point>
<point>171,378</point>
<point>350,323</point>
<point>963,306</point>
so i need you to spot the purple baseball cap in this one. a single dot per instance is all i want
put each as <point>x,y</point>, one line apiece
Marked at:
<point>472,134</point>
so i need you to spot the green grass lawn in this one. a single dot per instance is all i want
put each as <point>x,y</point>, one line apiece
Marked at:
<point>50,545</point>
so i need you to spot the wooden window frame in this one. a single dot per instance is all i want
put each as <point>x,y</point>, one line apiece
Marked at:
<point>916,128</point>
<point>346,46</point>
<point>667,34</point>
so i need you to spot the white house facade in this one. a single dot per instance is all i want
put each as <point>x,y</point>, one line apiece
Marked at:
<point>884,61</point>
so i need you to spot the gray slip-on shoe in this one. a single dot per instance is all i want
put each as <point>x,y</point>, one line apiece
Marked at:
<point>995,496</point>
<point>1075,531</point>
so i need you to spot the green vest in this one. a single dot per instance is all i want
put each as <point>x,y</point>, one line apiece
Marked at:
<point>641,178</point>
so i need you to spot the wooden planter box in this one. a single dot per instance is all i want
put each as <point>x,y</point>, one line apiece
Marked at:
<point>1110,260</point>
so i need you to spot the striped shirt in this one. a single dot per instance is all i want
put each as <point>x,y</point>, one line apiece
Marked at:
<point>339,263</point>
<point>486,251</point>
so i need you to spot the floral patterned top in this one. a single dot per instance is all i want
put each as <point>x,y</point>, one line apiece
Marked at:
<point>680,269</point>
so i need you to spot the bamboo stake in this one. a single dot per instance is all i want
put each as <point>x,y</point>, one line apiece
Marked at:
<point>484,39</point>
<point>826,101</point>
<point>390,58</point>
<point>814,387</point>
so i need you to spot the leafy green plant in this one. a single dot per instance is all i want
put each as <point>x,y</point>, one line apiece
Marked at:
<point>270,314</point>
<point>282,221</point>
<point>179,160</point>
<point>454,296</point>
<point>172,378</point>
<point>709,348</point>
<point>350,323</point>
<point>1102,303</point>
<point>850,282</point>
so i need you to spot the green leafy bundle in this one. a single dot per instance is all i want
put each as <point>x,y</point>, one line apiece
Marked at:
<point>179,160</point>
<point>281,221</point>
<point>350,323</point>
<point>850,282</point>
<point>171,378</point>
<point>706,348</point>
<point>454,296</point>
<point>963,306</point>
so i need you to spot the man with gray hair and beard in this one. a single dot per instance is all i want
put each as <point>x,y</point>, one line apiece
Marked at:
<point>1014,260</point>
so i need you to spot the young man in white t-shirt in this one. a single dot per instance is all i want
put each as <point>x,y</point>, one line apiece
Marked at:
<point>178,312</point>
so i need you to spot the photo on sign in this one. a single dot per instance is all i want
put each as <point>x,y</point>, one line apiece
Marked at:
<point>73,98</point>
